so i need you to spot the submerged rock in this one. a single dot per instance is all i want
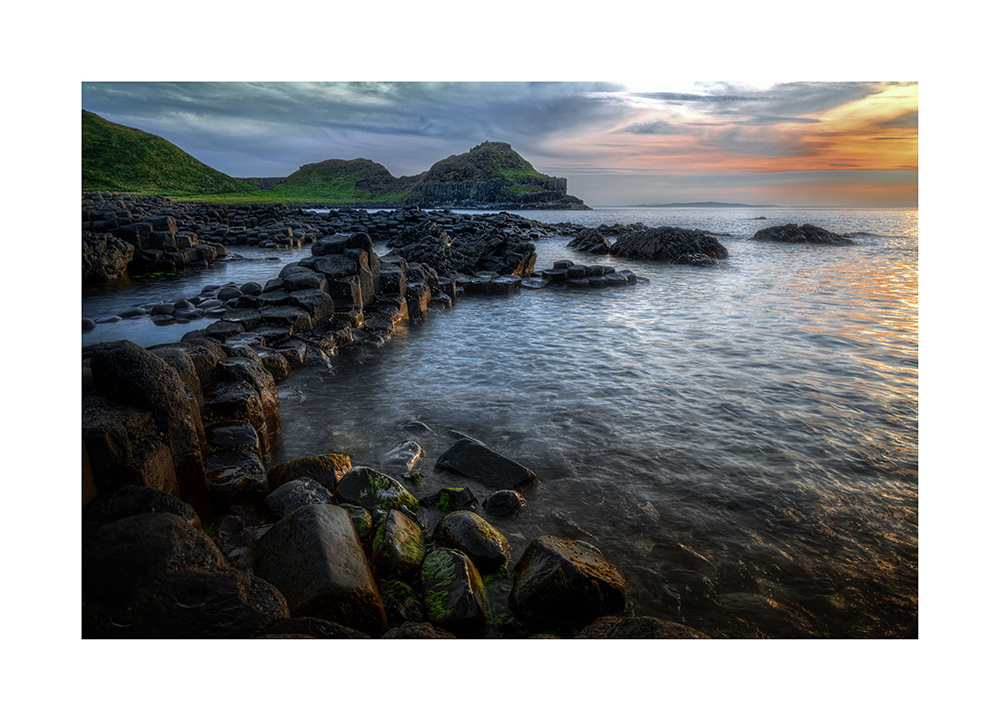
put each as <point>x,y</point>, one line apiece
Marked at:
<point>638,627</point>
<point>474,460</point>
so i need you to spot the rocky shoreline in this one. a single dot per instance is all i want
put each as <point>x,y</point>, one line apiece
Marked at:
<point>191,532</point>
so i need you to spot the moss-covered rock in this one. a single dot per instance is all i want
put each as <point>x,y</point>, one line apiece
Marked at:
<point>450,499</point>
<point>454,596</point>
<point>398,548</point>
<point>401,602</point>
<point>326,469</point>
<point>370,489</point>
<point>480,541</point>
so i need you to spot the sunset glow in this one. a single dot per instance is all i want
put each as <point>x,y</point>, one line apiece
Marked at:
<point>812,143</point>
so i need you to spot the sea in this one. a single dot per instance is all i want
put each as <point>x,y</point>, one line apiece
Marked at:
<point>740,441</point>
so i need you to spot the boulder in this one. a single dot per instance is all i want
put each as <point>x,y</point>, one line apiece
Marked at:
<point>504,503</point>
<point>315,558</point>
<point>401,602</point>
<point>638,627</point>
<point>398,548</point>
<point>199,603</point>
<point>127,501</point>
<point>310,627</point>
<point>474,460</point>
<point>450,499</point>
<point>326,469</point>
<point>125,446</point>
<point>402,458</point>
<point>105,257</point>
<point>293,495</point>
<point>372,490</point>
<point>562,585</point>
<point>482,543</point>
<point>806,233</point>
<point>454,595</point>
<point>134,376</point>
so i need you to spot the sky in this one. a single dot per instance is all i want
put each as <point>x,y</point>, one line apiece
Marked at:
<point>617,143</point>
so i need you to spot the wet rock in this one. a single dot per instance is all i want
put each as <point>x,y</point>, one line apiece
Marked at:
<point>361,519</point>
<point>372,490</point>
<point>481,542</point>
<point>293,495</point>
<point>504,503</point>
<point>315,558</point>
<point>401,602</point>
<point>637,627</point>
<point>237,483</point>
<point>806,233</point>
<point>564,585</point>
<point>667,244</point>
<point>129,501</point>
<point>476,461</point>
<point>450,499</point>
<point>105,257</point>
<point>590,240</point>
<point>398,548</point>
<point>326,469</point>
<point>402,458</point>
<point>124,446</point>
<point>311,627</point>
<point>454,596</point>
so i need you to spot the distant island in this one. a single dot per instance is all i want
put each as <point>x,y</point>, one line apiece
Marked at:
<point>705,204</point>
<point>491,176</point>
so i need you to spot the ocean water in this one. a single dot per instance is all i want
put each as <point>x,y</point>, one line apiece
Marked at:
<point>740,441</point>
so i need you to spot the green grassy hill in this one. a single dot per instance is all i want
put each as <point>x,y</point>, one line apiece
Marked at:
<point>342,181</point>
<point>127,160</point>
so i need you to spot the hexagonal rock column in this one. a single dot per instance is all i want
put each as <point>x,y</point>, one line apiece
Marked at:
<point>562,585</point>
<point>315,558</point>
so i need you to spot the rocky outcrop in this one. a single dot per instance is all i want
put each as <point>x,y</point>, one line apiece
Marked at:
<point>806,233</point>
<point>673,245</point>
<point>105,257</point>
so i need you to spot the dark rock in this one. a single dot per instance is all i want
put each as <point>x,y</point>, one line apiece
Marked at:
<point>361,519</point>
<point>590,240</point>
<point>637,627</point>
<point>105,257</point>
<point>482,543</point>
<point>504,503</point>
<point>314,557</point>
<point>476,461</point>
<point>454,596</point>
<point>673,245</point>
<point>311,627</point>
<point>293,495</point>
<point>564,585</point>
<point>401,602</point>
<point>237,483</point>
<point>125,446</point>
<point>127,501</point>
<point>806,233</point>
<point>402,458</point>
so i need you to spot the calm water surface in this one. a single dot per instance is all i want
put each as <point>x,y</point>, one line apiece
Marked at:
<point>740,441</point>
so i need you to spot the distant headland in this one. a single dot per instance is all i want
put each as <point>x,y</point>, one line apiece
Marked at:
<point>490,176</point>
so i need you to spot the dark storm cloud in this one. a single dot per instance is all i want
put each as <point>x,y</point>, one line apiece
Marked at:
<point>780,103</point>
<point>289,124</point>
